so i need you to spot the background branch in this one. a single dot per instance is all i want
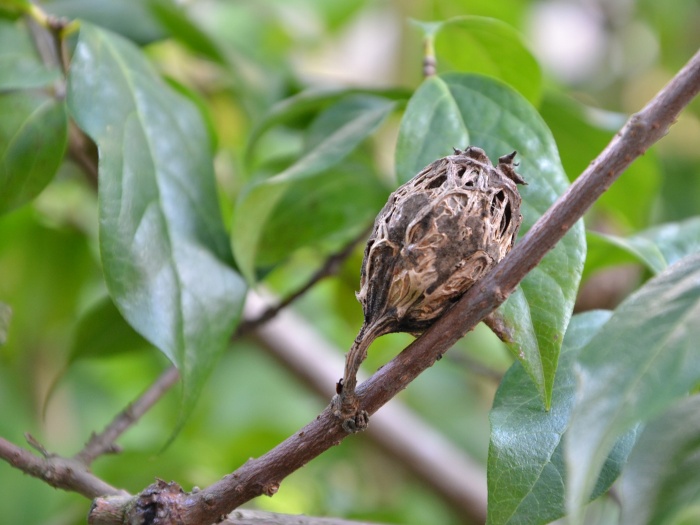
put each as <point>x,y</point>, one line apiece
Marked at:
<point>330,267</point>
<point>263,475</point>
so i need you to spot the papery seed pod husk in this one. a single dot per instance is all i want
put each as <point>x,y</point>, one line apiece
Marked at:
<point>437,235</point>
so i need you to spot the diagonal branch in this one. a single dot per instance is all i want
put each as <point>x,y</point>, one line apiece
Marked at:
<point>263,475</point>
<point>104,442</point>
<point>330,267</point>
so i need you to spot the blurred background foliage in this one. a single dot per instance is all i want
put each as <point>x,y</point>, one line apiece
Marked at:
<point>595,62</point>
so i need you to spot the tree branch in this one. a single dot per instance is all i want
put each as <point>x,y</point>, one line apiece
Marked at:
<point>104,442</point>
<point>454,476</point>
<point>61,473</point>
<point>263,475</point>
<point>330,267</point>
<point>258,517</point>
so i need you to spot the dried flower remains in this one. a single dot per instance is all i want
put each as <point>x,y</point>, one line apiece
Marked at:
<point>437,235</point>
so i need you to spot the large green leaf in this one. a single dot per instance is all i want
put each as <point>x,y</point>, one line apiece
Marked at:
<point>257,202</point>
<point>164,250</point>
<point>20,65</point>
<point>526,458</point>
<point>662,477</point>
<point>454,110</point>
<point>489,46</point>
<point>643,359</point>
<point>33,138</point>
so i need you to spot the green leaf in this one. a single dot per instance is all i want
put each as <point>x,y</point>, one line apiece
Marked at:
<point>491,47</point>
<point>334,207</point>
<point>674,240</point>
<point>164,250</point>
<point>662,477</point>
<point>102,332</point>
<point>130,18</point>
<point>656,247</point>
<point>176,20</point>
<point>297,107</point>
<point>5,318</point>
<point>642,360</point>
<point>257,202</point>
<point>526,460</point>
<point>33,138</point>
<point>638,249</point>
<point>15,6</point>
<point>454,110</point>
<point>20,65</point>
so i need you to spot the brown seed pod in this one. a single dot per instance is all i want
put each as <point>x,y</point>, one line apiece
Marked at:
<point>437,235</point>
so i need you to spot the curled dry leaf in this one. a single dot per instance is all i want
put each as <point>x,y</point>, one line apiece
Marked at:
<point>437,235</point>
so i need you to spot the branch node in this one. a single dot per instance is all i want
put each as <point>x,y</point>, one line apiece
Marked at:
<point>34,443</point>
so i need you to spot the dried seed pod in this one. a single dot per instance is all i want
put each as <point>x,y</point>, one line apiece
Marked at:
<point>437,235</point>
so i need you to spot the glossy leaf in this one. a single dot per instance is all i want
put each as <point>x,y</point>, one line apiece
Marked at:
<point>642,360</point>
<point>455,110</point>
<point>164,250</point>
<point>526,459</point>
<point>33,138</point>
<point>261,198</point>
<point>20,65</point>
<point>489,46</point>
<point>662,478</point>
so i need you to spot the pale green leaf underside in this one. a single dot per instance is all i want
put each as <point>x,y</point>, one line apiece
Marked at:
<point>642,360</point>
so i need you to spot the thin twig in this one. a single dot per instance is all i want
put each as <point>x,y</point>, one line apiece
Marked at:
<point>264,474</point>
<point>104,442</point>
<point>330,267</point>
<point>474,366</point>
<point>61,473</point>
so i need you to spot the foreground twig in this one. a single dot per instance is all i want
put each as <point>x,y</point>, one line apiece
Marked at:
<point>61,473</point>
<point>423,451</point>
<point>263,475</point>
